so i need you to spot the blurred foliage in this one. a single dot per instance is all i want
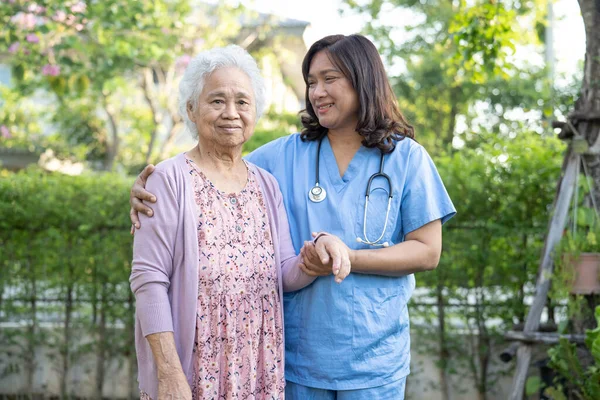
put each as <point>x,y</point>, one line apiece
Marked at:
<point>95,81</point>
<point>271,126</point>
<point>503,189</point>
<point>468,77</point>
<point>103,74</point>
<point>71,233</point>
<point>454,69</point>
<point>577,379</point>
<point>65,253</point>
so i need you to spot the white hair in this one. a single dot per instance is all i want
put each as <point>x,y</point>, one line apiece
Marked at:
<point>204,64</point>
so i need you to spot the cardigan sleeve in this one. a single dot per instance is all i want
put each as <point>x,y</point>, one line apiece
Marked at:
<point>292,276</point>
<point>152,265</point>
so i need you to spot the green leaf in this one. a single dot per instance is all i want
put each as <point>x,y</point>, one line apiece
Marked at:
<point>533,385</point>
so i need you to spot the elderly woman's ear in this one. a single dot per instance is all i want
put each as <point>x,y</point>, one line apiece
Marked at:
<point>190,110</point>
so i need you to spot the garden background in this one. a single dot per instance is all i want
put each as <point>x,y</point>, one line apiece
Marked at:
<point>88,98</point>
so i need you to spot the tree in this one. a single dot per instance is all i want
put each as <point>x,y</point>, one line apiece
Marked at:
<point>459,81</point>
<point>446,75</point>
<point>77,50</point>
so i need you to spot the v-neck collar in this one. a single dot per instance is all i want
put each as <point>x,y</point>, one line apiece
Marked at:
<point>330,164</point>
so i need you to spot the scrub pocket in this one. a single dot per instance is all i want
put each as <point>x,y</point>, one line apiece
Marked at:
<point>379,317</point>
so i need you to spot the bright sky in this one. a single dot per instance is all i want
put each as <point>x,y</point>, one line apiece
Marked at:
<point>324,19</point>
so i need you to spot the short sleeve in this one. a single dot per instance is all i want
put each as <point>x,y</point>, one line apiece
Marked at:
<point>424,198</point>
<point>265,155</point>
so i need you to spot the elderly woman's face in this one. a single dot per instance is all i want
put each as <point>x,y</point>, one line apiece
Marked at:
<point>226,110</point>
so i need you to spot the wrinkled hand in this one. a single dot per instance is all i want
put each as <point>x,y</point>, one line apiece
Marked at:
<point>174,387</point>
<point>137,194</point>
<point>329,255</point>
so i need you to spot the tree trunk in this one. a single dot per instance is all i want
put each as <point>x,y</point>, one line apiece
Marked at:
<point>113,145</point>
<point>32,334</point>
<point>67,336</point>
<point>146,84</point>
<point>521,292</point>
<point>177,122</point>
<point>587,107</point>
<point>101,344</point>
<point>444,353</point>
<point>483,339</point>
<point>586,117</point>
<point>454,92</point>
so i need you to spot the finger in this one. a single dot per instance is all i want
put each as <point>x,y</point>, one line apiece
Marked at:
<point>306,270</point>
<point>139,186</point>
<point>315,267</point>
<point>138,206</point>
<point>311,252</point>
<point>309,264</point>
<point>334,252</point>
<point>135,220</point>
<point>314,234</point>
<point>345,269</point>
<point>139,193</point>
<point>146,172</point>
<point>322,252</point>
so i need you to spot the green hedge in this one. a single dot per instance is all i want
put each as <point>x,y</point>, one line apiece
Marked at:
<point>65,254</point>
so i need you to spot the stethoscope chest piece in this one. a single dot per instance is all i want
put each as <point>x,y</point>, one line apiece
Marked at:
<point>317,194</point>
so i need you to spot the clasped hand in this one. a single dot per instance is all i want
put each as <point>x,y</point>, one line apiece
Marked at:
<point>329,255</point>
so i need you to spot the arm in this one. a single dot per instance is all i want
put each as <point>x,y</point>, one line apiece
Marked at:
<point>150,280</point>
<point>419,252</point>
<point>172,383</point>
<point>292,276</point>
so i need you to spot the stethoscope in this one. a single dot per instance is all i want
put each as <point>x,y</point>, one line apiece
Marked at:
<point>317,194</point>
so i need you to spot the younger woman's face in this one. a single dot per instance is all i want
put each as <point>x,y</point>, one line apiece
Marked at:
<point>331,95</point>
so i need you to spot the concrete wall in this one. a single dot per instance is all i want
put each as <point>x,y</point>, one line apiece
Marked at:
<point>423,383</point>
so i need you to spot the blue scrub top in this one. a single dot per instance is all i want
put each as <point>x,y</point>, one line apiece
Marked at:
<point>355,334</point>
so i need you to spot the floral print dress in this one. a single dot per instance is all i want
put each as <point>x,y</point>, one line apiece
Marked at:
<point>238,351</point>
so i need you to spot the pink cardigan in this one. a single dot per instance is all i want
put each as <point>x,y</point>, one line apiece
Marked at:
<point>164,276</point>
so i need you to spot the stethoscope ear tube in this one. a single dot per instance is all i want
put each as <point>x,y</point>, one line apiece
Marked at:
<point>317,194</point>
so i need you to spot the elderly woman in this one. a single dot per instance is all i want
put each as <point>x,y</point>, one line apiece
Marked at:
<point>210,268</point>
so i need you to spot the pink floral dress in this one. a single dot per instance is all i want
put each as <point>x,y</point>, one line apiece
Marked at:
<point>239,328</point>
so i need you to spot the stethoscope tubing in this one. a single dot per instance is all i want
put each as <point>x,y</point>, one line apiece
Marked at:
<point>317,194</point>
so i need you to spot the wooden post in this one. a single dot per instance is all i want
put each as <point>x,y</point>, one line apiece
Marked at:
<point>558,221</point>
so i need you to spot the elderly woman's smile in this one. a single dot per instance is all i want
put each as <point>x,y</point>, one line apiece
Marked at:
<point>225,112</point>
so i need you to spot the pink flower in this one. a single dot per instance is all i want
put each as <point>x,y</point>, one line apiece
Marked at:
<point>32,38</point>
<point>70,20</point>
<point>60,16</point>
<point>5,132</point>
<point>50,70</point>
<point>36,8</point>
<point>25,21</point>
<point>182,62</point>
<point>79,27</point>
<point>78,7</point>
<point>13,48</point>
